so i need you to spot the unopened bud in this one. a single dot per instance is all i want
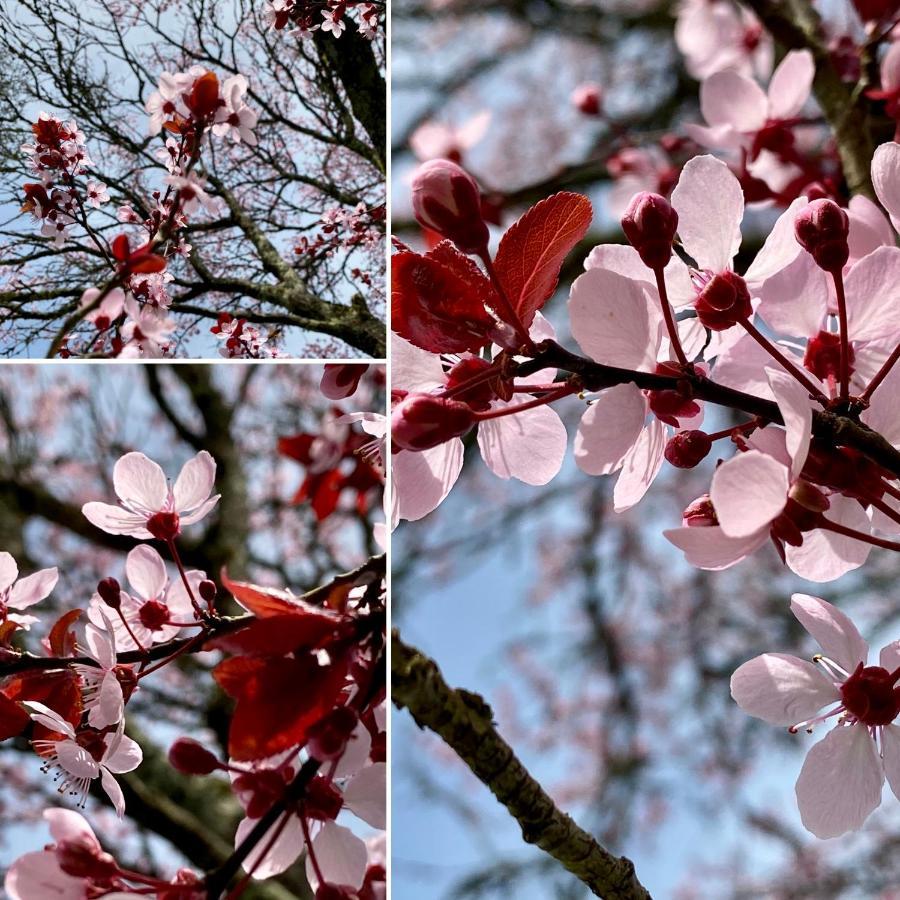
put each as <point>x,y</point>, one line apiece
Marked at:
<point>110,592</point>
<point>191,758</point>
<point>822,228</point>
<point>446,199</point>
<point>650,223</point>
<point>700,513</point>
<point>723,301</point>
<point>809,496</point>
<point>688,449</point>
<point>341,380</point>
<point>207,591</point>
<point>588,98</point>
<point>83,858</point>
<point>422,421</point>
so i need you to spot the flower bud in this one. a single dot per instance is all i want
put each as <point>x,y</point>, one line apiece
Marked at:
<point>207,591</point>
<point>700,513</point>
<point>723,301</point>
<point>588,98</point>
<point>650,223</point>
<point>191,758</point>
<point>83,858</point>
<point>446,199</point>
<point>478,396</point>
<point>422,421</point>
<point>110,592</point>
<point>821,229</point>
<point>341,380</point>
<point>688,449</point>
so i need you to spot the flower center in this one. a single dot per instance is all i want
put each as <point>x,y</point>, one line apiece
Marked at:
<point>870,694</point>
<point>164,526</point>
<point>723,301</point>
<point>153,615</point>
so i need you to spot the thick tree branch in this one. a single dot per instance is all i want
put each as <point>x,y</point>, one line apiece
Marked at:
<point>466,723</point>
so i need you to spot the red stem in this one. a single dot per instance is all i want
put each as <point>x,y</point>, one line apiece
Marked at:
<point>671,325</point>
<point>564,391</point>
<point>838,278</point>
<point>881,374</point>
<point>858,535</point>
<point>508,312</point>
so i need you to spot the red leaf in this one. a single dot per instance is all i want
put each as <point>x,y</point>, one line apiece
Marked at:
<point>297,447</point>
<point>13,718</point>
<point>60,690</point>
<point>62,638</point>
<point>204,97</point>
<point>532,251</point>
<point>278,635</point>
<point>438,302</point>
<point>266,602</point>
<point>278,700</point>
<point>120,247</point>
<point>144,262</point>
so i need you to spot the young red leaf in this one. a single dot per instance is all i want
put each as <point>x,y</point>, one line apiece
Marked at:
<point>278,700</point>
<point>278,635</point>
<point>266,602</point>
<point>13,718</point>
<point>532,251</point>
<point>204,97</point>
<point>61,637</point>
<point>439,307</point>
<point>60,690</point>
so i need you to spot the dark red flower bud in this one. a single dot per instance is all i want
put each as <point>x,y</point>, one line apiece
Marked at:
<point>422,421</point>
<point>110,592</point>
<point>823,355</point>
<point>650,223</point>
<point>875,10</point>
<point>335,892</point>
<point>82,858</point>
<point>700,513</point>
<point>478,396</point>
<point>723,301</point>
<point>327,739</point>
<point>588,98</point>
<point>208,591</point>
<point>688,449</point>
<point>164,526</point>
<point>191,758</point>
<point>821,229</point>
<point>341,380</point>
<point>446,199</point>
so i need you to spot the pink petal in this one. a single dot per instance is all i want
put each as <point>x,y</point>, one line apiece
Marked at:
<point>76,760</point>
<point>640,466</point>
<point>283,853</point>
<point>832,630</point>
<point>114,520</point>
<point>795,300</point>
<point>366,795</point>
<point>9,571</point>
<point>356,754</point>
<point>890,742</point>
<point>141,481</point>
<point>423,480</point>
<point>611,320</point>
<point>743,366</point>
<point>110,703</point>
<point>710,548</point>
<point>869,227</point>
<point>37,876</point>
<point>889,658</point>
<point>49,718</point>
<point>727,98</point>
<point>33,588</point>
<point>146,572</point>
<point>882,412</point>
<point>100,642</point>
<point>748,492</point>
<point>797,410</point>
<point>341,855</point>
<point>68,825</point>
<point>113,791</point>
<point>414,369</point>
<point>886,178</point>
<point>195,482</point>
<point>201,511</point>
<point>599,448</point>
<point>530,445</point>
<point>824,556</point>
<point>890,68</point>
<point>790,85</point>
<point>124,756</point>
<point>780,249</point>
<point>782,689</point>
<point>710,205</point>
<point>840,783</point>
<point>873,296</point>
<point>624,260</point>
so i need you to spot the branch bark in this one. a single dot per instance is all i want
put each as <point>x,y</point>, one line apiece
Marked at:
<point>465,722</point>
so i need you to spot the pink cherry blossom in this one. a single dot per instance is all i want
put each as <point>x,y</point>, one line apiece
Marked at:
<point>102,691</point>
<point>77,765</point>
<point>111,307</point>
<point>148,506</point>
<point>841,781</point>
<point>20,593</point>
<point>235,118</point>
<point>435,140</point>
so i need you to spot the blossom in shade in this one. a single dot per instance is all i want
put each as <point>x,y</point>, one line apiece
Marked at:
<point>20,593</point>
<point>841,781</point>
<point>148,506</point>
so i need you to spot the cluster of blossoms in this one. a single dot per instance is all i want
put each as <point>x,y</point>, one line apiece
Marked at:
<point>241,340</point>
<point>130,313</point>
<point>297,760</point>
<point>346,229</point>
<point>303,17</point>
<point>809,330</point>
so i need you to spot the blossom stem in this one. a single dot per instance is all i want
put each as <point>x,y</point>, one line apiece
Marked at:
<point>241,886</point>
<point>882,507</point>
<point>782,360</point>
<point>131,634</point>
<point>891,489</point>
<point>508,312</point>
<point>858,535</point>
<point>184,648</point>
<point>838,279</point>
<point>309,849</point>
<point>564,391</point>
<point>671,325</point>
<point>474,381</point>
<point>187,586</point>
<point>881,374</point>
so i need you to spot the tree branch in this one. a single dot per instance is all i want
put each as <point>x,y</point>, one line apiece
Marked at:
<point>465,722</point>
